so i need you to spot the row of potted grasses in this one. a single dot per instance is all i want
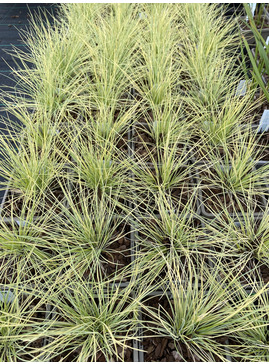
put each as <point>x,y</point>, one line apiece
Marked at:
<point>130,125</point>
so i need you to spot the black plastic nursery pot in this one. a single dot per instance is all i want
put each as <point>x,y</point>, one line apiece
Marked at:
<point>250,38</point>
<point>248,34</point>
<point>121,256</point>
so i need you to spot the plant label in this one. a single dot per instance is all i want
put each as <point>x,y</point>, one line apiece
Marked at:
<point>252,8</point>
<point>21,222</point>
<point>142,15</point>
<point>266,42</point>
<point>155,124</point>
<point>6,297</point>
<point>54,132</point>
<point>206,124</point>
<point>241,88</point>
<point>264,122</point>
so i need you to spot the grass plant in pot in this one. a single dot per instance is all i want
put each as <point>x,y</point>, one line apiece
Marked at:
<point>234,174</point>
<point>170,235</point>
<point>93,321</point>
<point>242,237</point>
<point>92,238</point>
<point>22,313</point>
<point>192,322</point>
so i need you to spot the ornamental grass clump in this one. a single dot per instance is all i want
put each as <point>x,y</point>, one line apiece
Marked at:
<point>22,314</point>
<point>92,237</point>
<point>27,245</point>
<point>98,166</point>
<point>92,322</point>
<point>241,235</point>
<point>251,342</point>
<point>158,55</point>
<point>30,162</point>
<point>168,236</point>
<point>52,67</point>
<point>207,56</point>
<point>167,125</point>
<point>203,311</point>
<point>234,168</point>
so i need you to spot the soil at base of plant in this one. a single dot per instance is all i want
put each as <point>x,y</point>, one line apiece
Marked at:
<point>146,148</point>
<point>215,199</point>
<point>15,203</point>
<point>120,256</point>
<point>72,355</point>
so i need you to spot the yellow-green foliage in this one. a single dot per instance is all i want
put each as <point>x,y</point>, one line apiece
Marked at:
<point>130,127</point>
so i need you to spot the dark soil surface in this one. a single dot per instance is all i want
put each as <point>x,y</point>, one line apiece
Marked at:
<point>164,349</point>
<point>119,255</point>
<point>144,144</point>
<point>264,272</point>
<point>15,203</point>
<point>72,355</point>
<point>36,344</point>
<point>123,144</point>
<point>146,147</point>
<point>214,199</point>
